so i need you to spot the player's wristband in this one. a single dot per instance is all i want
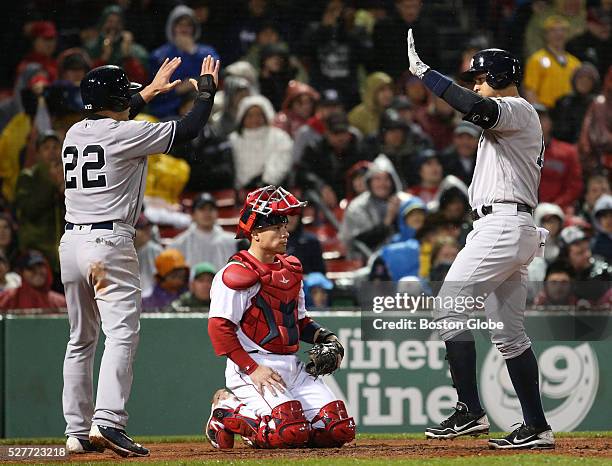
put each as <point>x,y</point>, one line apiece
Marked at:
<point>248,370</point>
<point>242,359</point>
<point>206,87</point>
<point>436,82</point>
<point>309,331</point>
<point>322,335</point>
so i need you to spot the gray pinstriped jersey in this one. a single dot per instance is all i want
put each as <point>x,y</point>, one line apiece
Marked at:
<point>510,157</point>
<point>105,167</point>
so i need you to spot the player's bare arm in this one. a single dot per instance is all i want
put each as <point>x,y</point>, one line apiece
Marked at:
<point>477,106</point>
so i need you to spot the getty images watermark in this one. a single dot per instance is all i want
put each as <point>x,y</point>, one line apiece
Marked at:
<point>416,310</point>
<point>443,305</point>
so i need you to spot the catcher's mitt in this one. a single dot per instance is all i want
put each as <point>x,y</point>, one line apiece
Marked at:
<point>324,358</point>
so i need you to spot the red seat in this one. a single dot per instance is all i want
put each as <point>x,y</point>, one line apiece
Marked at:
<point>228,212</point>
<point>225,197</point>
<point>342,265</point>
<point>168,231</point>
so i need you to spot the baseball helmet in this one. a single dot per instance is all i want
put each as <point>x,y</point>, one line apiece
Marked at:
<point>107,88</point>
<point>500,66</point>
<point>266,206</point>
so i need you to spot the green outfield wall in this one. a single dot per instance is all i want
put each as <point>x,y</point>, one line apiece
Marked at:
<point>397,385</point>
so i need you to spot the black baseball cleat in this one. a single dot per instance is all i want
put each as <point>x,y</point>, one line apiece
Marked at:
<point>117,440</point>
<point>461,422</point>
<point>78,445</point>
<point>525,437</point>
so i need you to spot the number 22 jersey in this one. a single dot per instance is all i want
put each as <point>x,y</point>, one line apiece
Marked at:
<point>105,167</point>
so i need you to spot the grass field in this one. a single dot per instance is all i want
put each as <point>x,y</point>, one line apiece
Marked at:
<point>575,448</point>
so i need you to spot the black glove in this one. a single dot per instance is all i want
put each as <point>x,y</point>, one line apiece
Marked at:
<point>325,358</point>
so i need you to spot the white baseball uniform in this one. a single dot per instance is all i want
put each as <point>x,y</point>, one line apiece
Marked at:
<point>231,304</point>
<point>105,168</point>
<point>493,263</point>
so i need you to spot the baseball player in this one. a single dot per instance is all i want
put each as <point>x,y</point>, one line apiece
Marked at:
<point>257,319</point>
<point>493,264</point>
<point>105,166</point>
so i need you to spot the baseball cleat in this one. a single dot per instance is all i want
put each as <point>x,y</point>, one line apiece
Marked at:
<point>525,437</point>
<point>117,440</point>
<point>77,445</point>
<point>461,422</point>
<point>215,430</point>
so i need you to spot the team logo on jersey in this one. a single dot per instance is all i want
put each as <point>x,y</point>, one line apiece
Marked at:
<point>569,380</point>
<point>284,280</point>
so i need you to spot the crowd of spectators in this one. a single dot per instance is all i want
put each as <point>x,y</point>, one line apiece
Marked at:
<point>315,96</point>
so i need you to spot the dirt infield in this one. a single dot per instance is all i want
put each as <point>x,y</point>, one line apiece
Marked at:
<point>363,448</point>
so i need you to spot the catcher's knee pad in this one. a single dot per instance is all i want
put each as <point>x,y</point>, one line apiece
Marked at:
<point>291,428</point>
<point>338,428</point>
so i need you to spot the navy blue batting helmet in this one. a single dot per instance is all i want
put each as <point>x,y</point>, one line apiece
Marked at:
<point>107,88</point>
<point>500,66</point>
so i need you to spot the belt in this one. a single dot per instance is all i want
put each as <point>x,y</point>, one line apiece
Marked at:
<point>94,226</point>
<point>488,209</point>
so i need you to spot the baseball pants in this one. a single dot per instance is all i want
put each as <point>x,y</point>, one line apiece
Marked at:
<point>493,265</point>
<point>101,279</point>
<point>301,386</point>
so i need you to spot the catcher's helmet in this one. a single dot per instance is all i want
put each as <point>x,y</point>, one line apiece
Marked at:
<point>265,207</point>
<point>107,88</point>
<point>500,66</point>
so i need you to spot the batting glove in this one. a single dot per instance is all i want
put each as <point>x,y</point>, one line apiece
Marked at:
<point>417,67</point>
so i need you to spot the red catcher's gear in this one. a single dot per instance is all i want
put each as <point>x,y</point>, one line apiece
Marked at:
<point>338,428</point>
<point>272,319</point>
<point>285,427</point>
<point>216,430</point>
<point>264,203</point>
<point>291,429</point>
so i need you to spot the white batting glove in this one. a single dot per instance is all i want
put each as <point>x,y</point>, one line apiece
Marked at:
<point>417,67</point>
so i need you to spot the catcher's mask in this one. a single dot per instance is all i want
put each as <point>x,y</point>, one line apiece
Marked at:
<point>265,207</point>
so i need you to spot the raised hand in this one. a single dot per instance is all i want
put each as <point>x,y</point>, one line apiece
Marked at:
<point>209,66</point>
<point>417,67</point>
<point>161,82</point>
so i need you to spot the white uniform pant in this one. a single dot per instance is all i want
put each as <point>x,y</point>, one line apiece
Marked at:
<point>301,386</point>
<point>493,266</point>
<point>101,279</point>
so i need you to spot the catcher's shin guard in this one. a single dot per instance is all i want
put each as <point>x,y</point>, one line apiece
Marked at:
<point>338,428</point>
<point>224,423</point>
<point>291,429</point>
<point>215,429</point>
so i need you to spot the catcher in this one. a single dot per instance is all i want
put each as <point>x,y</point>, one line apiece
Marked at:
<point>257,319</point>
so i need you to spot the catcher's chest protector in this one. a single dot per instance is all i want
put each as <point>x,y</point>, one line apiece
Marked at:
<point>272,319</point>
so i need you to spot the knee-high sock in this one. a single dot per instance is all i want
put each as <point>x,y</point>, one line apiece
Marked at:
<point>523,372</point>
<point>461,356</point>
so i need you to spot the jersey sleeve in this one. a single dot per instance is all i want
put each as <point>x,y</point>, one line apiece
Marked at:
<point>513,114</point>
<point>229,303</point>
<point>142,138</point>
<point>302,304</point>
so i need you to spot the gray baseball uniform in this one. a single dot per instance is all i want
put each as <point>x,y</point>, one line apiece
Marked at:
<point>105,170</point>
<point>494,261</point>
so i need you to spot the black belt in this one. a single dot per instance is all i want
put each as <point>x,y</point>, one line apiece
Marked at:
<point>488,209</point>
<point>94,226</point>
